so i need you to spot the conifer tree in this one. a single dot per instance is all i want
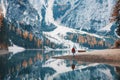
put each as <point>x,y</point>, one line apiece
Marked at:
<point>116,16</point>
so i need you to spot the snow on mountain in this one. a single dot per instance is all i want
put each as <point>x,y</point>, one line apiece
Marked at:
<point>80,14</point>
<point>39,5</point>
<point>2,5</point>
<point>116,34</point>
<point>107,27</point>
<point>58,35</point>
<point>84,14</point>
<point>21,14</point>
<point>108,30</point>
<point>56,18</point>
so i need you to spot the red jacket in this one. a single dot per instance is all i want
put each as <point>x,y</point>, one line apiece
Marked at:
<point>73,50</point>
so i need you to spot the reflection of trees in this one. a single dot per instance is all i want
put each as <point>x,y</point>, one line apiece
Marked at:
<point>3,68</point>
<point>71,63</point>
<point>24,63</point>
<point>30,61</point>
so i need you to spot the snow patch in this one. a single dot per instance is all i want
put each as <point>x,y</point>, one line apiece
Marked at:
<point>116,34</point>
<point>15,49</point>
<point>38,5</point>
<point>107,27</point>
<point>49,14</point>
<point>58,35</point>
<point>3,7</point>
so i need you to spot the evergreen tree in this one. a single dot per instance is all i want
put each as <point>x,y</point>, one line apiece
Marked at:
<point>116,16</point>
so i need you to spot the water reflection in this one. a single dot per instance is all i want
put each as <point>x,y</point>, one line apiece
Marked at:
<point>73,63</point>
<point>37,64</point>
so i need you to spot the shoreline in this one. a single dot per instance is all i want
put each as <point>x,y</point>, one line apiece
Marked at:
<point>3,52</point>
<point>106,56</point>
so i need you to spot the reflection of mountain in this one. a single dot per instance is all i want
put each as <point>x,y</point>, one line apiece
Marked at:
<point>35,72</point>
<point>99,72</point>
<point>82,71</point>
<point>37,65</point>
<point>37,23</point>
<point>27,62</point>
<point>3,67</point>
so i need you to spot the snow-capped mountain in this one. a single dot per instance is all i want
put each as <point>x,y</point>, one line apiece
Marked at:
<point>35,23</point>
<point>84,14</point>
<point>79,14</point>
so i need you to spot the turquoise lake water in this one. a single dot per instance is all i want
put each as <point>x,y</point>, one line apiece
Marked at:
<point>39,65</point>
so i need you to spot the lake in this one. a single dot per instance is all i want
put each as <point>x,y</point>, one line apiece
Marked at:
<point>39,65</point>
